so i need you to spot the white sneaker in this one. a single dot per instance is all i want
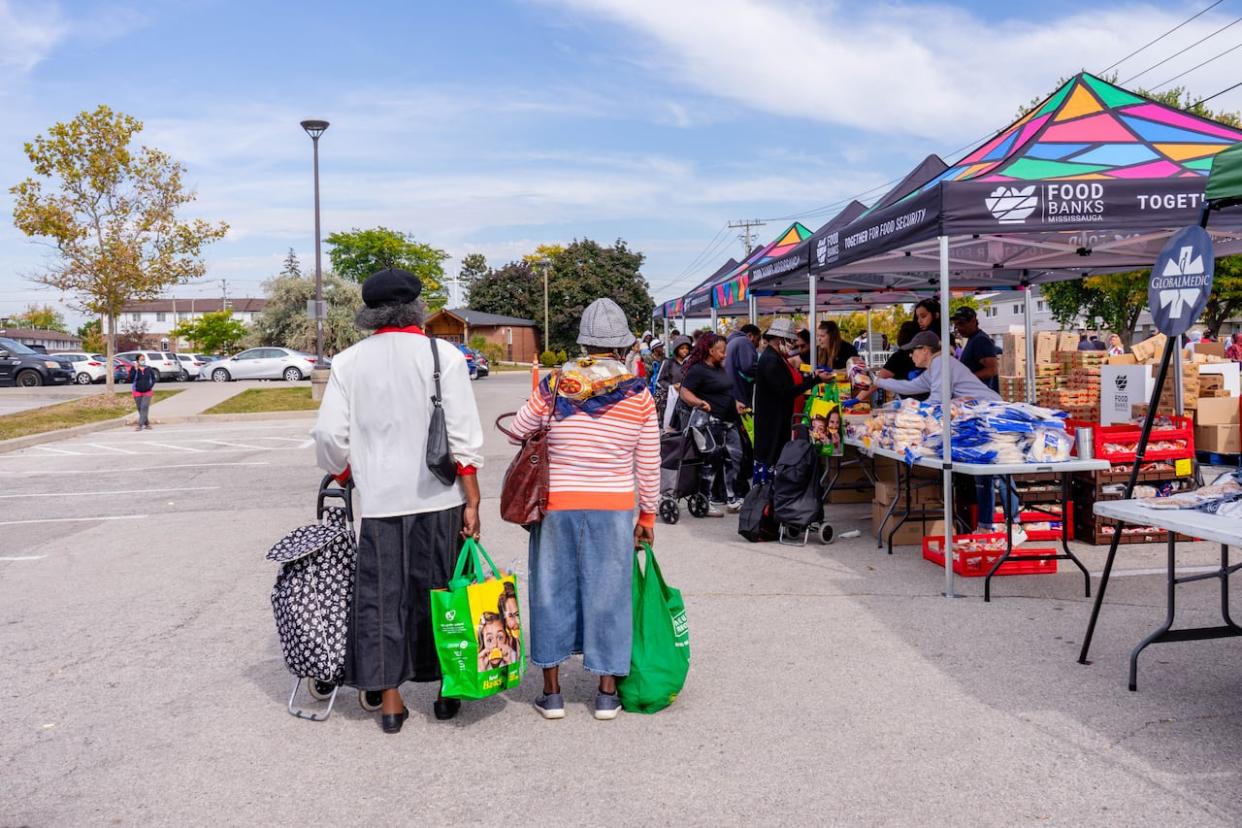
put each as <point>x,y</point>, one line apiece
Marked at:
<point>1019,536</point>
<point>715,509</point>
<point>734,505</point>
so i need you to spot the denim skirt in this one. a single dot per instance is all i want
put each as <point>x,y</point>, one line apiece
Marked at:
<point>400,560</point>
<point>581,576</point>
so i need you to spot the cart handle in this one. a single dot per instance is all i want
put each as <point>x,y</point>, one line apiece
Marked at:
<point>345,493</point>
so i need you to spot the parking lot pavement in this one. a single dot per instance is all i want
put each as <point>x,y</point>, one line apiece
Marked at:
<point>13,400</point>
<point>830,684</point>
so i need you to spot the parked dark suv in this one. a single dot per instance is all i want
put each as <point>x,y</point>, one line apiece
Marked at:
<point>23,366</point>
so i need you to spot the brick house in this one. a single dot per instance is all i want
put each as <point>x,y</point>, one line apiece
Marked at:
<point>515,336</point>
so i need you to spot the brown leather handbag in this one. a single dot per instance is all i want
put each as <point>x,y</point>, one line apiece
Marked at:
<point>524,493</point>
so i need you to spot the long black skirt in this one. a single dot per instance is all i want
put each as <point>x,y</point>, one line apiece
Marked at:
<point>400,560</point>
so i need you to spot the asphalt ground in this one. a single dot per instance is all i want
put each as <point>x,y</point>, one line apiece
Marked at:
<point>143,683</point>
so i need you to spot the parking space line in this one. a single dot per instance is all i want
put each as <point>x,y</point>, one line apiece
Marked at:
<point>25,558</point>
<point>71,520</point>
<point>115,492</point>
<point>119,470</point>
<point>113,448</point>
<point>233,445</point>
<point>62,452</point>
<point>180,448</point>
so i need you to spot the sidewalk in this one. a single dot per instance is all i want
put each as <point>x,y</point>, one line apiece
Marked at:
<point>197,397</point>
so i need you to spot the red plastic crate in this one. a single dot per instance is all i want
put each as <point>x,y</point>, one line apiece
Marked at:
<point>977,565</point>
<point>998,519</point>
<point>1183,429</point>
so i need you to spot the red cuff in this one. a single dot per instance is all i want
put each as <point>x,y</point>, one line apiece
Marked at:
<point>466,470</point>
<point>646,519</point>
<point>344,476</point>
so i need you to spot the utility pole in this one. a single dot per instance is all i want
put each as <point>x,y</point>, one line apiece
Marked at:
<point>746,236</point>
<point>224,294</point>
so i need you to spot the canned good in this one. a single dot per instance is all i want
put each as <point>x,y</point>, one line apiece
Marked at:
<point>1084,439</point>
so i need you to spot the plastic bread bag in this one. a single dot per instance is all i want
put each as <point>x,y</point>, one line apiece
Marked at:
<point>1050,445</point>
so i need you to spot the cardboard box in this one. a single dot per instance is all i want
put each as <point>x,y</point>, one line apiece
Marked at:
<point>840,495</point>
<point>1067,341</point>
<point>1216,349</point>
<point>1218,411</point>
<point>1218,439</point>
<point>1149,349</point>
<point>1123,359</point>
<point>910,533</point>
<point>1045,347</point>
<point>921,493</point>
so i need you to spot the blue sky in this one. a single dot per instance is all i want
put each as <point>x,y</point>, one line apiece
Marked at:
<point>495,126</point>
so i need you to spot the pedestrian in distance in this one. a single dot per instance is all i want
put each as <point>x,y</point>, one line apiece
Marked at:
<point>143,378</point>
<point>707,388</point>
<point>603,449</point>
<point>777,384</point>
<point>373,425</point>
<point>741,356</point>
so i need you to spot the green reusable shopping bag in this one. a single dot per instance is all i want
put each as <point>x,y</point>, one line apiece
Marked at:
<point>660,657</point>
<point>477,628</point>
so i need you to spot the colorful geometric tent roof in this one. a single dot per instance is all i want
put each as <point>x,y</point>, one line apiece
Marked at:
<point>733,287</point>
<point>1090,129</point>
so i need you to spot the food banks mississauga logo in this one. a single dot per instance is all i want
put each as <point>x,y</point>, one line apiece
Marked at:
<point>1012,205</point>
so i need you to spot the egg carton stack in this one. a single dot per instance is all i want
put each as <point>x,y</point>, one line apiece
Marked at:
<point>1013,389</point>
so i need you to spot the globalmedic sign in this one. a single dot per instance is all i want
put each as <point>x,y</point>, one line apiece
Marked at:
<point>1181,280</point>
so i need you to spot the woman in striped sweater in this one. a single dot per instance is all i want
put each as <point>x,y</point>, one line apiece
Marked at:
<point>603,451</point>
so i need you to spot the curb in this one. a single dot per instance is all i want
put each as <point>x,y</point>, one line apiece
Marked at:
<point>103,425</point>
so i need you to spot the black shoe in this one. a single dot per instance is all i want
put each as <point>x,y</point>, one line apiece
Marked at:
<point>446,708</point>
<point>391,722</point>
<point>373,699</point>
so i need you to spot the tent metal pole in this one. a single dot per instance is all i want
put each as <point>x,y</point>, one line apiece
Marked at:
<point>1029,345</point>
<point>946,399</point>
<point>713,317</point>
<point>666,329</point>
<point>811,302</point>
<point>869,334</point>
<point>683,324</point>
<point>1179,392</point>
<point>750,301</point>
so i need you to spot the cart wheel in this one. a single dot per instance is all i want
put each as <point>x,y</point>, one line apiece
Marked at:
<point>320,690</point>
<point>825,533</point>
<point>697,504</point>
<point>669,513</point>
<point>366,705</point>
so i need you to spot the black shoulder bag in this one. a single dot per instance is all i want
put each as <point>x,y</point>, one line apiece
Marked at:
<point>439,458</point>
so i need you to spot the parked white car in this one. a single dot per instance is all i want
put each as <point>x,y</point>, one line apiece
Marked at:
<point>263,363</point>
<point>167,364</point>
<point>87,368</point>
<point>192,365</point>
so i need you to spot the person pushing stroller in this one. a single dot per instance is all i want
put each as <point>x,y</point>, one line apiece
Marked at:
<point>707,387</point>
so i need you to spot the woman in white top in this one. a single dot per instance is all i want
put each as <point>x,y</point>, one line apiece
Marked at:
<point>373,424</point>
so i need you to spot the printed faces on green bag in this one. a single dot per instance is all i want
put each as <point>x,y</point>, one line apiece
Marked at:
<point>497,624</point>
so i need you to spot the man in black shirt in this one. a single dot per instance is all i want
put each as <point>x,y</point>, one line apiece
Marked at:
<point>979,353</point>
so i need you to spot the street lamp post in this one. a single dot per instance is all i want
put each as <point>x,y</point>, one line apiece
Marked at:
<point>546,264</point>
<point>314,129</point>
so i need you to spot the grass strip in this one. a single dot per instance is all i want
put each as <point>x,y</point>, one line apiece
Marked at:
<point>257,400</point>
<point>78,412</point>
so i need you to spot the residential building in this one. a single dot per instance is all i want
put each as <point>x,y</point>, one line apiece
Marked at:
<point>51,340</point>
<point>515,336</point>
<point>1000,313</point>
<point>158,317</point>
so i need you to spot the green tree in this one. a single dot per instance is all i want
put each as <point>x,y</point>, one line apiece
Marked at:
<point>91,334</point>
<point>357,254</point>
<point>1225,300</point>
<point>577,275</point>
<point>110,210</point>
<point>1116,299</point>
<point>473,268</point>
<point>41,318</point>
<point>285,323</point>
<point>214,333</point>
<point>291,267</point>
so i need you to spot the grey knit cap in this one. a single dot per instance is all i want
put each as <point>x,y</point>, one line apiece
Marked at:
<point>604,325</point>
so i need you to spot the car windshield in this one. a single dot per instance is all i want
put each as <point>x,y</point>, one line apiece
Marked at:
<point>184,358</point>
<point>14,347</point>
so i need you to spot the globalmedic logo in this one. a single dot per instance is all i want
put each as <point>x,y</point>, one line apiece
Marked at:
<point>1180,299</point>
<point>1012,205</point>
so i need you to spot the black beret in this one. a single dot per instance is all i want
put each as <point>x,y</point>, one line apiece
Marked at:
<point>390,287</point>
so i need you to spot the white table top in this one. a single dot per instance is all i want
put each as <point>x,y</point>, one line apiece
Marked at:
<point>1187,521</point>
<point>979,469</point>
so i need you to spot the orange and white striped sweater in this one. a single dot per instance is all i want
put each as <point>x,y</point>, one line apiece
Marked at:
<point>593,461</point>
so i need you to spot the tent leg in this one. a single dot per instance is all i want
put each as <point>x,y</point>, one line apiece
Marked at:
<point>869,335</point>
<point>750,301</point>
<point>1179,392</point>
<point>1028,327</point>
<point>811,303</point>
<point>946,353</point>
<point>713,317</point>
<point>666,329</point>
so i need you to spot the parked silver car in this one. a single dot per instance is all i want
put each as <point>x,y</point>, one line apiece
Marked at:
<point>263,363</point>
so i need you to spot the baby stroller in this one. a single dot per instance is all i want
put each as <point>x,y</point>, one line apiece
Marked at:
<point>683,457</point>
<point>313,596</point>
<point>798,494</point>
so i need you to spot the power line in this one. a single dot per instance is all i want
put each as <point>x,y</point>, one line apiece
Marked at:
<point>1193,68</point>
<point>1218,94</point>
<point>746,235</point>
<point>1162,37</point>
<point>1183,51</point>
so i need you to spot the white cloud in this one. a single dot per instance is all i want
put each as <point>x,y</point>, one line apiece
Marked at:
<point>28,34</point>
<point>928,70</point>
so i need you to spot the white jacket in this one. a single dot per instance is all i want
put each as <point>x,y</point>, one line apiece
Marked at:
<point>374,418</point>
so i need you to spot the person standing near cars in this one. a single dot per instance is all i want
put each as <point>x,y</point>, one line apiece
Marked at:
<point>143,378</point>
<point>373,425</point>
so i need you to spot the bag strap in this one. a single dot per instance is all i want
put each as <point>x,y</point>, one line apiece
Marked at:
<point>547,424</point>
<point>468,566</point>
<point>435,373</point>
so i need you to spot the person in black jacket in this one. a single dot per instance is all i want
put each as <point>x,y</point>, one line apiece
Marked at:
<point>775,391</point>
<point>143,378</point>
